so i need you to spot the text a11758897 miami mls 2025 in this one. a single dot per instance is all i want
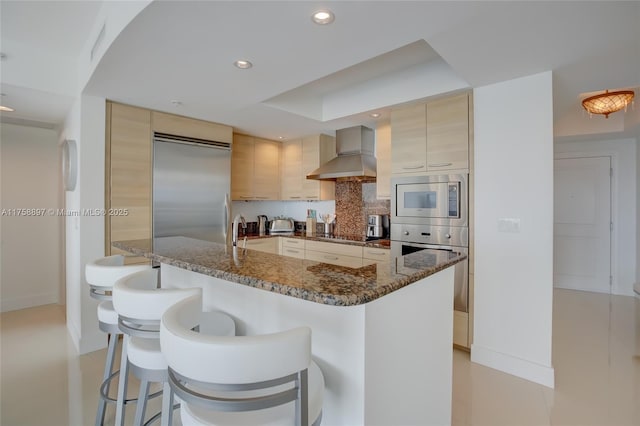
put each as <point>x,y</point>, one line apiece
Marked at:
<point>32,211</point>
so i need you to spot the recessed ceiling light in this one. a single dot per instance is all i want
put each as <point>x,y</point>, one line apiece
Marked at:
<point>280,137</point>
<point>176,103</point>
<point>5,108</point>
<point>375,115</point>
<point>242,64</point>
<point>323,17</point>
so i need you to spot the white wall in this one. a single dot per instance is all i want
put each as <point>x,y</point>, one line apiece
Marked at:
<point>31,253</point>
<point>624,195</point>
<point>514,270</point>
<point>85,234</point>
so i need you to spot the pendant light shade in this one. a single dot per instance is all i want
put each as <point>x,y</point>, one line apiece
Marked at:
<point>608,102</point>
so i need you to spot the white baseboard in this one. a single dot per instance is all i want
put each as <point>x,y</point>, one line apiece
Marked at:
<point>96,340</point>
<point>15,303</point>
<point>509,364</point>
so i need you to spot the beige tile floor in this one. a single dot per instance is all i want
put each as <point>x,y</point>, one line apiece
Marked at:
<point>596,356</point>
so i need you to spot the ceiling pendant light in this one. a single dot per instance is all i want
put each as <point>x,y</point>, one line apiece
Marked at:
<point>608,102</point>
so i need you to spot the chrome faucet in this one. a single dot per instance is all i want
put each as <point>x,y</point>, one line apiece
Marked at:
<point>234,228</point>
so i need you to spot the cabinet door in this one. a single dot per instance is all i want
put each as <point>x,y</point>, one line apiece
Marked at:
<point>129,175</point>
<point>242,168</point>
<point>266,171</point>
<point>383,160</point>
<point>291,170</point>
<point>409,140</point>
<point>267,245</point>
<point>317,150</point>
<point>448,133</point>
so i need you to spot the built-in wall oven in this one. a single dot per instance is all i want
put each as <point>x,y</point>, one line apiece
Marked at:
<point>431,212</point>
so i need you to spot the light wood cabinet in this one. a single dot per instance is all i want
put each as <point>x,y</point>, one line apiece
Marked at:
<point>128,176</point>
<point>375,255</point>
<point>334,253</point>
<point>177,125</point>
<point>255,168</point>
<point>383,160</point>
<point>299,158</point>
<point>292,247</point>
<point>267,245</point>
<point>448,134</point>
<point>409,140</point>
<point>431,137</point>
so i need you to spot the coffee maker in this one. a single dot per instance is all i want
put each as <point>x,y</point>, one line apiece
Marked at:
<point>374,226</point>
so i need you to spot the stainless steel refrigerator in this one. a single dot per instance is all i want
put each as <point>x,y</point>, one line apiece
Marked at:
<point>191,184</point>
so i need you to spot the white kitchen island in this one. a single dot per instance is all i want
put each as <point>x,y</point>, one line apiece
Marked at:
<point>382,339</point>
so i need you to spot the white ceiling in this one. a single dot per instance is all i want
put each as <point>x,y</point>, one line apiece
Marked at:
<point>308,78</point>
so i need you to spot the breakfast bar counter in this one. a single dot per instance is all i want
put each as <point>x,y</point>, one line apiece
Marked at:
<point>381,334</point>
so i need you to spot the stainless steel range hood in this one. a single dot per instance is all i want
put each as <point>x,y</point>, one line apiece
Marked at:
<point>356,157</point>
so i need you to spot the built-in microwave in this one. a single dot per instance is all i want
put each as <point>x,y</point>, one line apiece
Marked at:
<point>434,200</point>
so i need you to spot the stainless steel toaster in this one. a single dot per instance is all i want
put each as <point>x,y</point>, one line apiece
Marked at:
<point>281,225</point>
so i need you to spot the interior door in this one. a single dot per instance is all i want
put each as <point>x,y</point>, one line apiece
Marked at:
<point>582,224</point>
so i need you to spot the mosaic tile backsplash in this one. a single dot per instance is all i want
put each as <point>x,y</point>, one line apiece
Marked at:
<point>354,201</point>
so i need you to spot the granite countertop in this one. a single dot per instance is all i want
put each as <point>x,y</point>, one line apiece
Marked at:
<point>354,240</point>
<point>305,279</point>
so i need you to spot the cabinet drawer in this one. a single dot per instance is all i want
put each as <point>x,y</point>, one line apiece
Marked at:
<point>268,245</point>
<point>334,258</point>
<point>377,254</point>
<point>293,243</point>
<point>334,248</point>
<point>293,252</point>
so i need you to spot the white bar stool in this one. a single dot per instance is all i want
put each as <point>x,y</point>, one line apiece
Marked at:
<point>240,380</point>
<point>140,306</point>
<point>101,275</point>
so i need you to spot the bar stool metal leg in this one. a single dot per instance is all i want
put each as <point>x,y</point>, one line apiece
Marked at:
<point>122,383</point>
<point>106,378</point>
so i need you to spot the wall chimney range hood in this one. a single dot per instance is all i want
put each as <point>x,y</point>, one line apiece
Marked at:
<point>356,157</point>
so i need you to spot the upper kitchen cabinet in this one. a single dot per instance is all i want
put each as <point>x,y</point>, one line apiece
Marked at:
<point>431,137</point>
<point>383,161</point>
<point>128,175</point>
<point>255,168</point>
<point>177,125</point>
<point>409,140</point>
<point>299,158</point>
<point>448,133</point>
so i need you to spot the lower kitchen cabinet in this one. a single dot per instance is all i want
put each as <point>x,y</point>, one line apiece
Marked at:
<point>375,255</point>
<point>461,328</point>
<point>292,247</point>
<point>267,245</point>
<point>334,253</point>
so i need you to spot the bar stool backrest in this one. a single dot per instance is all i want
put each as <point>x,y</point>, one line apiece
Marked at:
<point>102,273</point>
<point>217,372</point>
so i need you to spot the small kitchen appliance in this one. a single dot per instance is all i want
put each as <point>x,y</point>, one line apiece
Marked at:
<point>262,224</point>
<point>374,226</point>
<point>281,225</point>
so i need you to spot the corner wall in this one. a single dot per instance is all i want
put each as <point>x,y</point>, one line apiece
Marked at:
<point>85,234</point>
<point>514,227</point>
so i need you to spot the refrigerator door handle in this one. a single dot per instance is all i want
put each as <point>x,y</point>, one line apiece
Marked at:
<point>226,216</point>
